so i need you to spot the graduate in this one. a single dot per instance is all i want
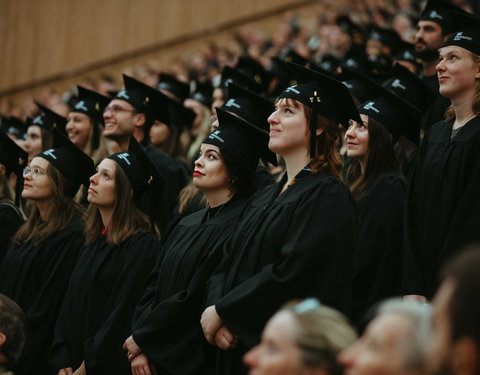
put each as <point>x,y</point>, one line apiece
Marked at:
<point>130,113</point>
<point>110,275</point>
<point>166,322</point>
<point>295,238</point>
<point>85,123</point>
<point>379,188</point>
<point>443,209</point>
<point>12,161</point>
<point>37,267</point>
<point>40,135</point>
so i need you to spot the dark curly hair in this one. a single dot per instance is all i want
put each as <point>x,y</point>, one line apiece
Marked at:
<point>242,179</point>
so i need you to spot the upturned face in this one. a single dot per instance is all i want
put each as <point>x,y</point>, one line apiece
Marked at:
<point>356,138</point>
<point>457,73</point>
<point>288,128</point>
<point>101,191</point>
<point>210,173</point>
<point>37,186</point>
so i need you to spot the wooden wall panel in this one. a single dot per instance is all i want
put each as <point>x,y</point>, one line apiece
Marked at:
<point>59,42</point>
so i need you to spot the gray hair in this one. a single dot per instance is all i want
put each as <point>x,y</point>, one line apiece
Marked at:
<point>419,315</point>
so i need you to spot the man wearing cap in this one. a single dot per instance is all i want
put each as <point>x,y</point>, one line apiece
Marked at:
<point>128,114</point>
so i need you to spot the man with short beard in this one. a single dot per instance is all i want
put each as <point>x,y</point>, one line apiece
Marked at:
<point>456,324</point>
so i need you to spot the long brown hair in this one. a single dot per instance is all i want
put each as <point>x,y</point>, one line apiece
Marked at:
<point>380,159</point>
<point>327,158</point>
<point>450,113</point>
<point>126,219</point>
<point>63,210</point>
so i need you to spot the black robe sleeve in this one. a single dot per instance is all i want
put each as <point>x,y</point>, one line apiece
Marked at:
<point>10,221</point>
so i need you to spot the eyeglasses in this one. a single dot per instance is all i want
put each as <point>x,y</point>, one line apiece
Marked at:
<point>35,172</point>
<point>115,108</point>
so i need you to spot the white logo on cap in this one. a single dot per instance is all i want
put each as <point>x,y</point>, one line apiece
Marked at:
<point>369,105</point>
<point>124,156</point>
<point>351,63</point>
<point>397,83</point>
<point>81,105</point>
<point>231,103</point>
<point>348,85</point>
<point>408,55</point>
<point>38,120</point>
<point>215,135</point>
<point>50,153</point>
<point>293,89</point>
<point>460,36</point>
<point>434,14</point>
<point>123,94</point>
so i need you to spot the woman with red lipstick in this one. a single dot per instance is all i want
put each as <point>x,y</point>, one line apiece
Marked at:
<point>110,275</point>
<point>36,269</point>
<point>295,238</point>
<point>166,323</point>
<point>379,189</point>
<point>443,208</point>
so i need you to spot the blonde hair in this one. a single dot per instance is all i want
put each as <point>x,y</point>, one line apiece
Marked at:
<point>450,113</point>
<point>321,333</point>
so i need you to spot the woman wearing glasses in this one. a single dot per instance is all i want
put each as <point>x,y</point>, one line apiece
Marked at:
<point>37,267</point>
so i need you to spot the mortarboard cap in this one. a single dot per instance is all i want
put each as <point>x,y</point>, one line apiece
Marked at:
<point>468,35</point>
<point>440,12</point>
<point>359,85</point>
<point>15,160</point>
<point>255,71</point>
<point>356,61</point>
<point>230,75</point>
<point>180,90</point>
<point>75,165</point>
<point>157,107</point>
<point>203,93</point>
<point>15,127</point>
<point>241,139</point>
<point>388,37</point>
<point>329,63</point>
<point>252,108</point>
<point>410,88</point>
<point>90,103</point>
<point>398,116</point>
<point>49,120</point>
<point>134,93</point>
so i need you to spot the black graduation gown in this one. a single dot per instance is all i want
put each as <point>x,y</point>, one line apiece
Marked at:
<point>297,244</point>
<point>378,261</point>
<point>37,278</point>
<point>10,221</point>
<point>437,109</point>
<point>443,204</point>
<point>166,324</point>
<point>175,177</point>
<point>96,314</point>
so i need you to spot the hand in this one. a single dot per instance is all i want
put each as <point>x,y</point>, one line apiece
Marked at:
<point>132,348</point>
<point>415,297</point>
<point>225,339</point>
<point>141,366</point>
<point>66,371</point>
<point>211,323</point>
<point>81,370</point>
